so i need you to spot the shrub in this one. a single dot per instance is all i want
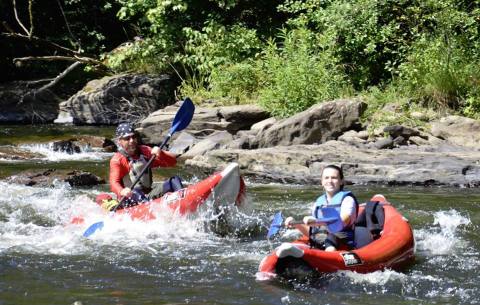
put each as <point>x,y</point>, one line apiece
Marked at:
<point>237,83</point>
<point>298,74</point>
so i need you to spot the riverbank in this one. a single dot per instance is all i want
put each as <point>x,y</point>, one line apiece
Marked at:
<point>295,150</point>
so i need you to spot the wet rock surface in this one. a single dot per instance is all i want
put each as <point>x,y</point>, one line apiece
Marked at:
<point>47,178</point>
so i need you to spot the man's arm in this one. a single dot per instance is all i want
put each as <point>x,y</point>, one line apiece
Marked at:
<point>117,172</point>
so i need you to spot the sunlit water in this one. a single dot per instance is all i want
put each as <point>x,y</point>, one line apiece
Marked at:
<point>175,260</point>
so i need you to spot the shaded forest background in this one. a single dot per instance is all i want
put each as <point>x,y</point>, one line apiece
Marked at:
<point>422,56</point>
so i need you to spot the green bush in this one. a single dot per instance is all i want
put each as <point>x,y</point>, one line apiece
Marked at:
<point>139,56</point>
<point>441,69</point>
<point>472,106</point>
<point>298,74</point>
<point>215,46</point>
<point>236,83</point>
<point>368,37</point>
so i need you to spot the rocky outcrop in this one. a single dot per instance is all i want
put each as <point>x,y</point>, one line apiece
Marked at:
<point>318,124</point>
<point>408,165</point>
<point>110,100</point>
<point>394,155</point>
<point>296,149</point>
<point>21,104</point>
<point>458,130</point>
<point>48,177</point>
<point>229,118</point>
<point>75,145</point>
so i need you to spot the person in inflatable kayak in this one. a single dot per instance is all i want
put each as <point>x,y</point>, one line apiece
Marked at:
<point>128,162</point>
<point>342,209</point>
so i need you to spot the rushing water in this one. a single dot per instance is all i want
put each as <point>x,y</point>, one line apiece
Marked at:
<point>45,260</point>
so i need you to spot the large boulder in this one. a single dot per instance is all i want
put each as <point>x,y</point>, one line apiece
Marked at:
<point>318,124</point>
<point>113,99</point>
<point>47,178</point>
<point>21,104</point>
<point>227,118</point>
<point>458,130</point>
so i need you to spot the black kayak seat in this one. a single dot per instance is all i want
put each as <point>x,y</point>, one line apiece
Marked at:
<point>369,223</point>
<point>362,237</point>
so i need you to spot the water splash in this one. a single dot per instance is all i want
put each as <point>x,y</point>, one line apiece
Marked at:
<point>377,277</point>
<point>46,149</point>
<point>442,238</point>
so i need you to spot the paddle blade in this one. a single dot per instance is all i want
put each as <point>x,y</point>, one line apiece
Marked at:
<point>276,224</point>
<point>183,117</point>
<point>333,220</point>
<point>93,228</point>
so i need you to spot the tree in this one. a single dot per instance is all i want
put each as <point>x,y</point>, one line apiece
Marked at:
<point>45,38</point>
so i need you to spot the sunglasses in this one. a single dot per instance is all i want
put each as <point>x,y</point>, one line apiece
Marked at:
<point>128,138</point>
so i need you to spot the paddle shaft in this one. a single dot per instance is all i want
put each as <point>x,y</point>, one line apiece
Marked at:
<point>312,224</point>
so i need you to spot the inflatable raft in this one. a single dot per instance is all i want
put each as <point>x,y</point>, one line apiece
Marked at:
<point>225,188</point>
<point>393,248</point>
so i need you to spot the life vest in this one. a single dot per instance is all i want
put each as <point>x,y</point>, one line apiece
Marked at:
<point>335,203</point>
<point>136,167</point>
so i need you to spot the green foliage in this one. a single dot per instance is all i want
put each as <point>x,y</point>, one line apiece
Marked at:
<point>210,61</point>
<point>441,69</point>
<point>472,106</point>
<point>194,35</point>
<point>428,50</point>
<point>140,56</point>
<point>298,74</point>
<point>388,106</point>
<point>369,37</point>
<point>287,55</point>
<point>214,46</point>
<point>236,83</point>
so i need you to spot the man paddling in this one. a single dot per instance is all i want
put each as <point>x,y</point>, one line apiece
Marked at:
<point>127,164</point>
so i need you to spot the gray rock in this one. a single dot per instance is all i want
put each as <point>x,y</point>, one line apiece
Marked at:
<point>303,164</point>
<point>383,143</point>
<point>458,130</point>
<point>212,142</point>
<point>318,124</point>
<point>110,100</point>
<point>399,140</point>
<point>398,130</point>
<point>66,146</point>
<point>48,177</point>
<point>228,118</point>
<point>182,143</point>
<point>262,125</point>
<point>21,104</point>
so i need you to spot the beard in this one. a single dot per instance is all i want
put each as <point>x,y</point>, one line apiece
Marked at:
<point>129,148</point>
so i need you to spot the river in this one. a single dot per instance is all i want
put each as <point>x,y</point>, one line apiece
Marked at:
<point>45,260</point>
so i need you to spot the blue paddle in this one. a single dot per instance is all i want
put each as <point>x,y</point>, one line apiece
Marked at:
<point>330,217</point>
<point>182,119</point>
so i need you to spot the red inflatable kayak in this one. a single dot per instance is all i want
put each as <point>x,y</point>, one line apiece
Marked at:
<point>223,189</point>
<point>393,249</point>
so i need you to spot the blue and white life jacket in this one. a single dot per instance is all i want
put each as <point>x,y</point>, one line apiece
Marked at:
<point>335,203</point>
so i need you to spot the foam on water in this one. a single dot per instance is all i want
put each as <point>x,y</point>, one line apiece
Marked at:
<point>377,277</point>
<point>442,238</point>
<point>86,153</point>
<point>38,220</point>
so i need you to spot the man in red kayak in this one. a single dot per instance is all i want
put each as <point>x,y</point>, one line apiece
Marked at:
<point>127,164</point>
<point>344,203</point>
